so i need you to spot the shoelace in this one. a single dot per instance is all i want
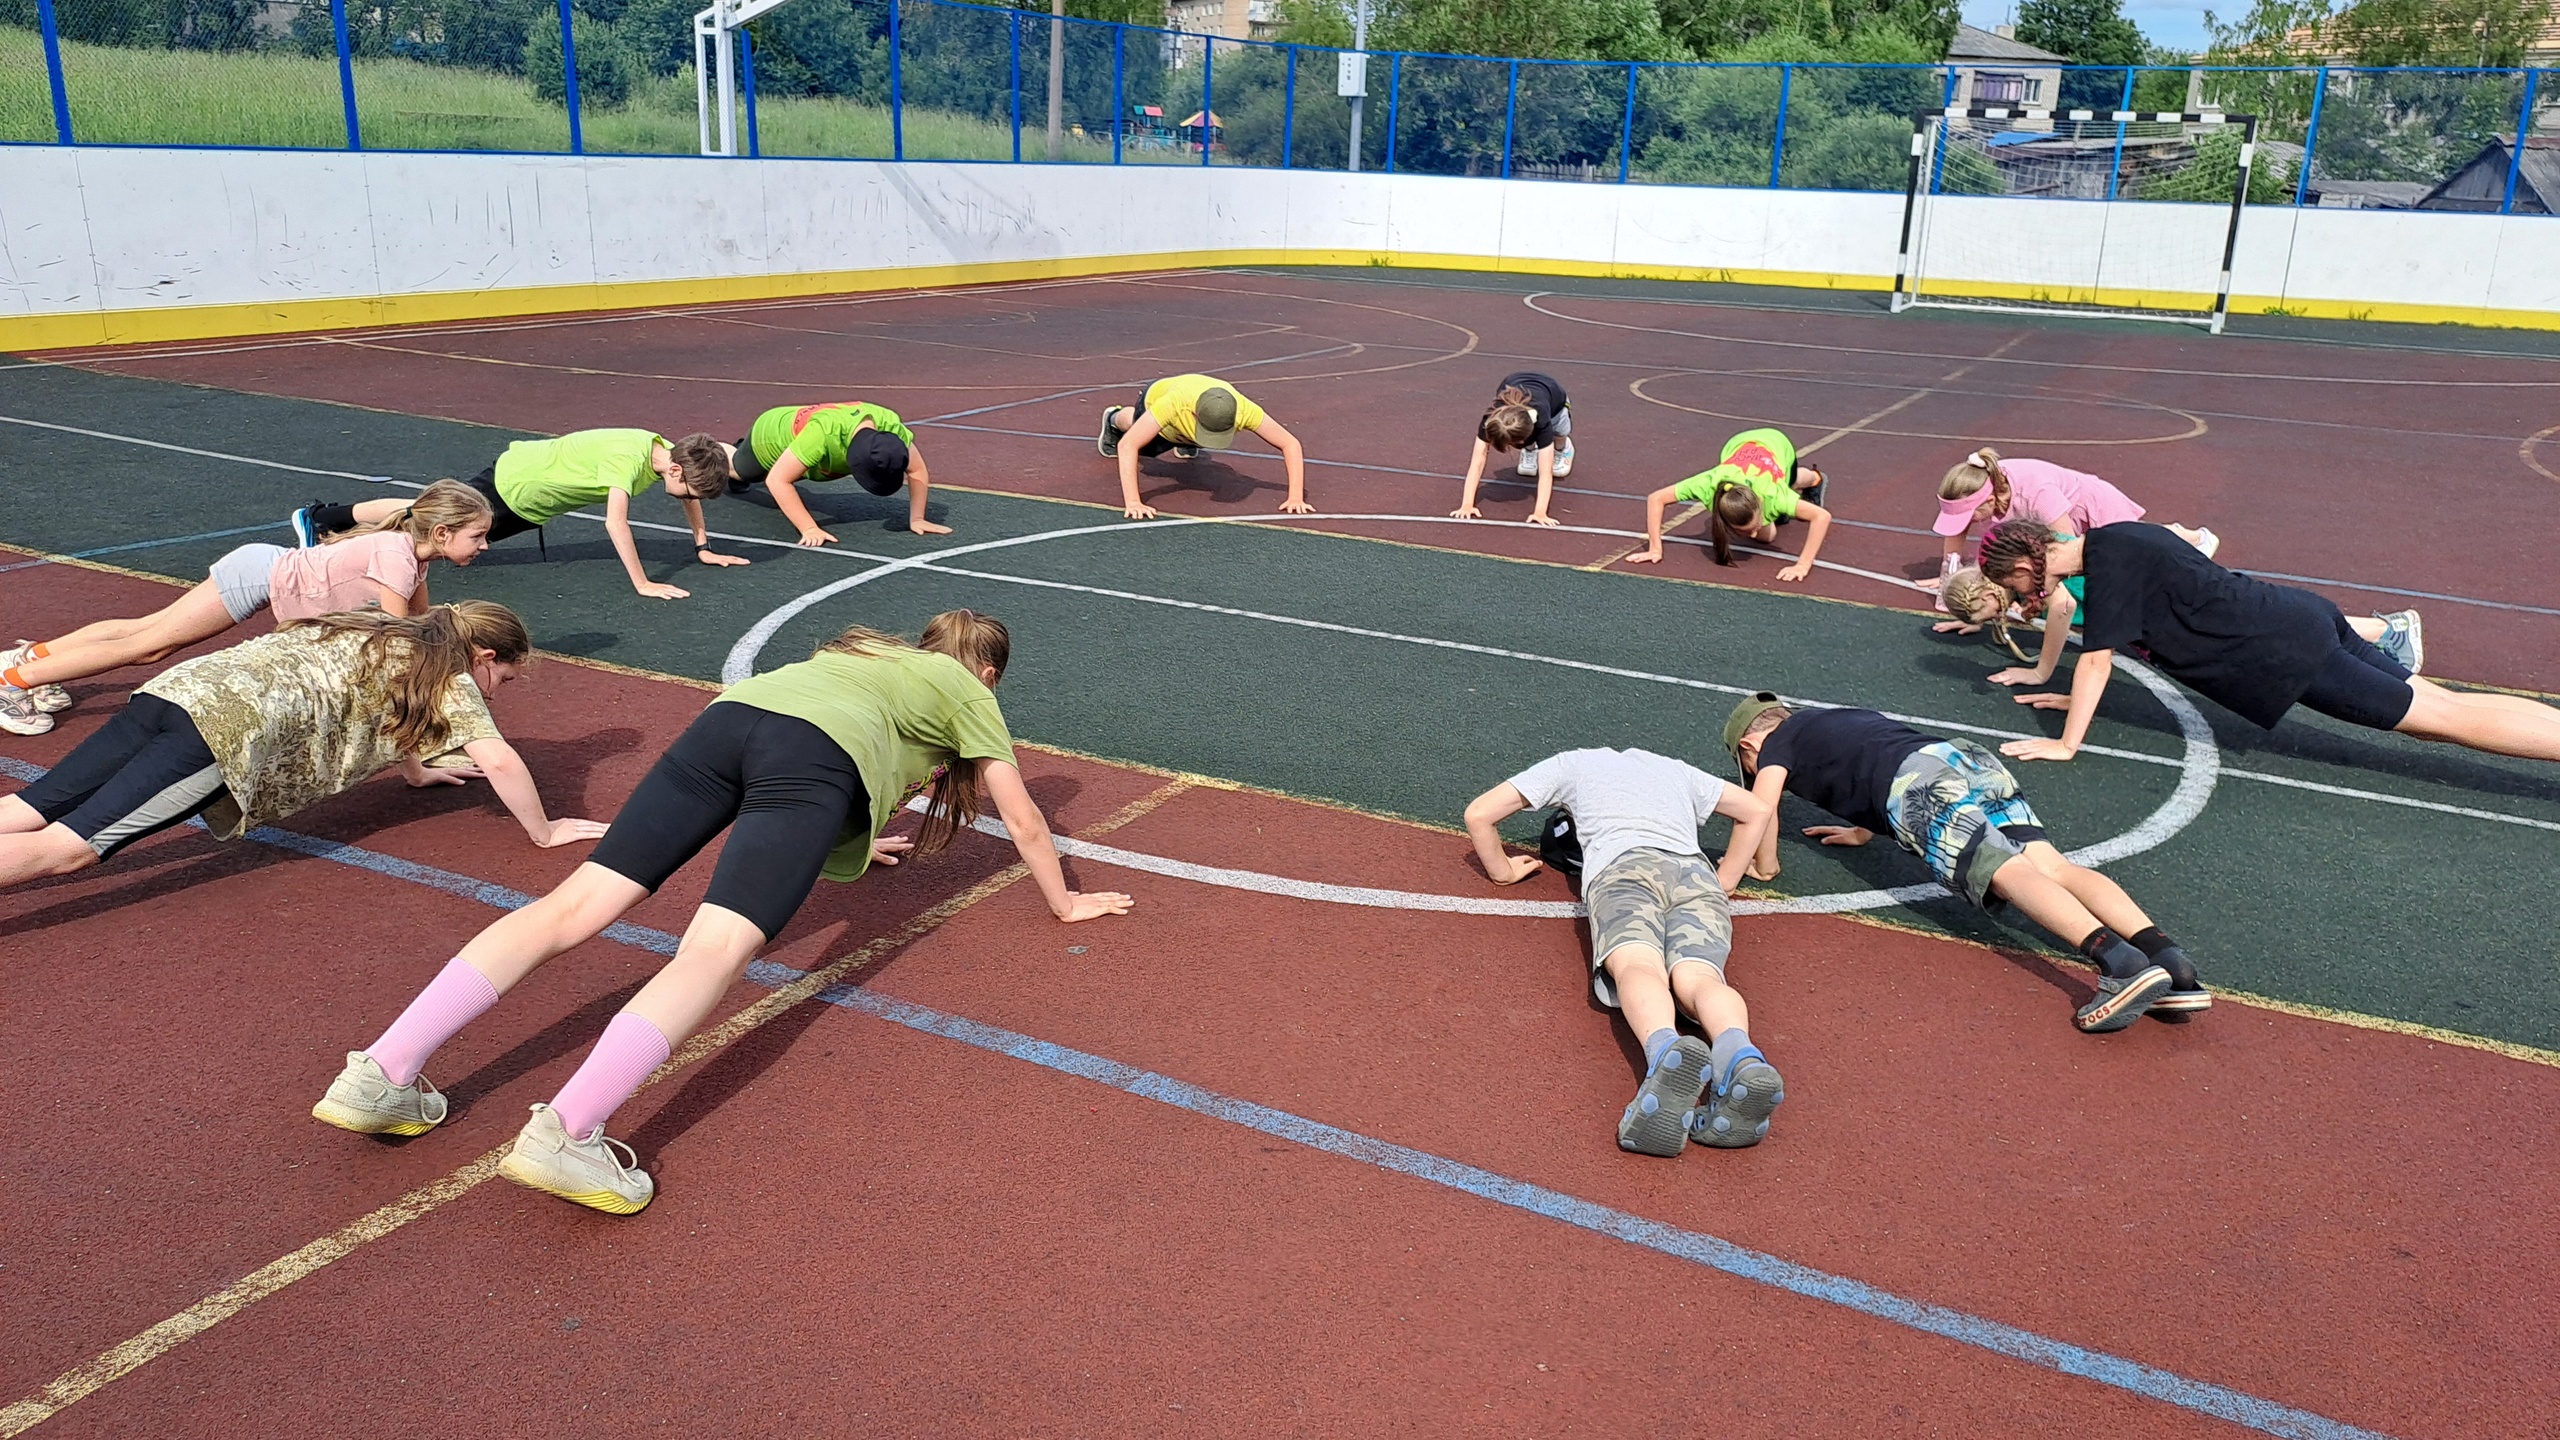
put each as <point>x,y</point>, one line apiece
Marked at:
<point>624,1158</point>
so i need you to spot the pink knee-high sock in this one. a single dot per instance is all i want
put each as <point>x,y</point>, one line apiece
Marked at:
<point>456,997</point>
<point>630,1049</point>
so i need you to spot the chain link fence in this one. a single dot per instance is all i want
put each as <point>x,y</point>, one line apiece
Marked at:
<point>942,80</point>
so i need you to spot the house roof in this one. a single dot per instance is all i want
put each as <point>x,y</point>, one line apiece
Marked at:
<point>1974,44</point>
<point>2539,171</point>
<point>2320,43</point>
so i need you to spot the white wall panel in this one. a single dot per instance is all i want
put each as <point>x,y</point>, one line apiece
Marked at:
<point>227,227</point>
<point>2401,257</point>
<point>1559,220</point>
<point>440,227</point>
<point>2527,275</point>
<point>46,263</point>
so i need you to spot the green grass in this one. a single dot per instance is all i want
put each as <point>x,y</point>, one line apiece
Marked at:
<point>188,97</point>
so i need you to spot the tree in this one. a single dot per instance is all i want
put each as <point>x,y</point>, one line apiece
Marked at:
<point>605,65</point>
<point>2489,33</point>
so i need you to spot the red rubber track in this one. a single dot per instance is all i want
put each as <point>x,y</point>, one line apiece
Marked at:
<point>865,1229</point>
<point>2365,464</point>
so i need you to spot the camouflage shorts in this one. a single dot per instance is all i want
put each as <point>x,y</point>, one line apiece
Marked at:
<point>1668,903</point>
<point>1957,807</point>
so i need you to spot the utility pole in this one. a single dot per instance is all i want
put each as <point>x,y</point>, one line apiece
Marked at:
<point>1355,75</point>
<point>1058,73</point>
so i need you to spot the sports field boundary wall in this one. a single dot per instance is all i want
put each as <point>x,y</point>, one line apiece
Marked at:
<point>113,245</point>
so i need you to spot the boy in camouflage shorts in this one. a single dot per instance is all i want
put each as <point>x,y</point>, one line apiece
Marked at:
<point>1660,931</point>
<point>1953,804</point>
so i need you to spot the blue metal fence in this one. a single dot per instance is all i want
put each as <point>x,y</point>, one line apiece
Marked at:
<point>953,81</point>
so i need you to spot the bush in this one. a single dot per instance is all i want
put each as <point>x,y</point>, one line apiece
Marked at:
<point>605,65</point>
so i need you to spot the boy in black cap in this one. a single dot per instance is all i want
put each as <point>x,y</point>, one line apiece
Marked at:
<point>1184,414</point>
<point>869,443</point>
<point>1953,804</point>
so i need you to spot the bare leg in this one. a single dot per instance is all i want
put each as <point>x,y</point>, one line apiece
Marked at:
<point>2499,724</point>
<point>17,817</point>
<point>2367,628</point>
<point>1644,992</point>
<point>1716,1006</point>
<point>714,953</point>
<point>196,615</point>
<point>54,850</point>
<point>2100,896</point>
<point>520,941</point>
<point>2044,900</point>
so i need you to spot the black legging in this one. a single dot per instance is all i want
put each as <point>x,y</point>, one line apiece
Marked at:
<point>2359,684</point>
<point>785,792</point>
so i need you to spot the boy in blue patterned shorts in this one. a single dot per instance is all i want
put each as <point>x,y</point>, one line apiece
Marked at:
<point>1660,931</point>
<point>1953,804</point>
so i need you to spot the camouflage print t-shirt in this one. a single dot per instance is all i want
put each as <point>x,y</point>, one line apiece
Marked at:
<point>292,718</point>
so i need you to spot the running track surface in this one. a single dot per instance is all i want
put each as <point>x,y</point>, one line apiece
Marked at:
<point>866,1227</point>
<point>2376,463</point>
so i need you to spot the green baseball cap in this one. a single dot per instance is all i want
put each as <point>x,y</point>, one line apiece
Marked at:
<point>1214,418</point>
<point>1737,724</point>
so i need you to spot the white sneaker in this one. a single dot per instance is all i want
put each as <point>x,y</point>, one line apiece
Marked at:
<point>19,714</point>
<point>2208,542</point>
<point>1528,463</point>
<point>1564,458</point>
<point>364,1100</point>
<point>597,1172</point>
<point>50,699</point>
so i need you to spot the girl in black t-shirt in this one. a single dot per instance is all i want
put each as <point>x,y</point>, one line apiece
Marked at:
<point>2254,648</point>
<point>1528,415</point>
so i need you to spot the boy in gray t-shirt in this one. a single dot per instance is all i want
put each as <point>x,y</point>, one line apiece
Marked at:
<point>1660,930</point>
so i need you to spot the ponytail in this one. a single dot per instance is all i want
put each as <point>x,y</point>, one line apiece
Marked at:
<point>1973,598</point>
<point>1735,509</point>
<point>1511,421</point>
<point>978,642</point>
<point>2011,544</point>
<point>445,505</point>
<point>415,657</point>
<point>1979,469</point>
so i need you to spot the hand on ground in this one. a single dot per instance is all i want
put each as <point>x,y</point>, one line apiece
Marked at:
<point>813,536</point>
<point>2046,701</point>
<point>714,557</point>
<point>927,527</point>
<point>1296,507</point>
<point>1646,557</point>
<point>659,590</point>
<point>1466,512</point>
<point>443,775</point>
<point>1840,834</point>
<point>2039,749</point>
<point>1516,868</point>
<point>1797,571</point>
<point>885,849</point>
<point>570,832</point>
<point>1541,517</point>
<point>1755,872</point>
<point>1957,627</point>
<point>1139,511</point>
<point>2015,676</point>
<point>1093,905</point>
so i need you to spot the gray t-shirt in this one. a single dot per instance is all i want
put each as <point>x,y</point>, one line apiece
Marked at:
<point>1624,800</point>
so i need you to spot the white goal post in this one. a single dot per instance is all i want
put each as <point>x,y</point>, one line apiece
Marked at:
<point>2133,214</point>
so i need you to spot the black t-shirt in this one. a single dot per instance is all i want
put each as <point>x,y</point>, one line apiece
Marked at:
<point>1546,397</point>
<point>2249,646</point>
<point>1843,760</point>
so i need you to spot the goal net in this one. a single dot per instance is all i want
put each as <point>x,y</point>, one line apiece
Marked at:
<point>2150,237</point>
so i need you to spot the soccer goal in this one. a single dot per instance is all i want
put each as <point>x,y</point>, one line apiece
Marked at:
<point>2150,238</point>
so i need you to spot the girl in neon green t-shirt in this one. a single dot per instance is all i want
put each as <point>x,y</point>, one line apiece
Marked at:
<point>1756,483</point>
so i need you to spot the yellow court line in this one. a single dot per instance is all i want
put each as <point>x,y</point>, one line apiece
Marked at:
<point>84,1380</point>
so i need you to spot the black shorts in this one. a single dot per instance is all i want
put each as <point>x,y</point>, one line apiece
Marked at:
<point>144,771</point>
<point>2359,684</point>
<point>786,793</point>
<point>1159,445</point>
<point>508,522</point>
<point>745,466</point>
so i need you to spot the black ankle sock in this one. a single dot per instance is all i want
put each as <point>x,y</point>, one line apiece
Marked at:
<point>2114,958</point>
<point>329,519</point>
<point>2150,941</point>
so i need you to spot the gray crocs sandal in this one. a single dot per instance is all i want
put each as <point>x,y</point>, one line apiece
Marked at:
<point>1653,1122</point>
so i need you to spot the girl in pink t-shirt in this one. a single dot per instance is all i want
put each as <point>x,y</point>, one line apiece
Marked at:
<point>1983,490</point>
<point>382,566</point>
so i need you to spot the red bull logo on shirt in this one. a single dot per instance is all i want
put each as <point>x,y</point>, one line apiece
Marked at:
<point>1752,455</point>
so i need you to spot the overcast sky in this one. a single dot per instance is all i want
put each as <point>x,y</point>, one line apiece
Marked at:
<point>2163,22</point>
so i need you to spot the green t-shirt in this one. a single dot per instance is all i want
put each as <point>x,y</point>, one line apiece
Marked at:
<point>819,434</point>
<point>540,479</point>
<point>898,713</point>
<point>1764,460</point>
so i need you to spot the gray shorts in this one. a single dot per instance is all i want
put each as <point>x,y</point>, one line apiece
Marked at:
<point>241,577</point>
<point>1668,903</point>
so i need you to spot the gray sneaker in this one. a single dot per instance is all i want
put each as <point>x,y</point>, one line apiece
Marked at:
<point>2403,640</point>
<point>364,1100</point>
<point>51,699</point>
<point>2121,1000</point>
<point>19,713</point>
<point>1653,1122</point>
<point>1738,1115</point>
<point>597,1172</point>
<point>1108,441</point>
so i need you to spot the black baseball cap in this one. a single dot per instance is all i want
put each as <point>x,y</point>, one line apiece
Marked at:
<point>878,461</point>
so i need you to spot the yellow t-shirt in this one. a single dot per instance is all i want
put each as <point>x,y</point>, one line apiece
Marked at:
<point>1175,400</point>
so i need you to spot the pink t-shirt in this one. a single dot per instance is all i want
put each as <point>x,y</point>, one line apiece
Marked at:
<point>327,578</point>
<point>2061,498</point>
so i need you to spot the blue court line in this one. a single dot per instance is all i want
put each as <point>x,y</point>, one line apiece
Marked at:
<point>142,545</point>
<point>2148,1381</point>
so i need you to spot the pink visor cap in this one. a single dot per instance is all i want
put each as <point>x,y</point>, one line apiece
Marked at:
<point>1955,516</point>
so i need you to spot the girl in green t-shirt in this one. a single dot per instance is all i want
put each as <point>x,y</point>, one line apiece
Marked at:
<point>804,766</point>
<point>1756,483</point>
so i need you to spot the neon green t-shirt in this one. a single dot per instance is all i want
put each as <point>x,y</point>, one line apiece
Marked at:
<point>1764,460</point>
<point>540,479</point>
<point>819,434</point>
<point>1175,401</point>
<point>898,713</point>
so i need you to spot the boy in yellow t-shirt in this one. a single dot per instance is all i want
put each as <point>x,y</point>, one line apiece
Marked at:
<point>1186,414</point>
